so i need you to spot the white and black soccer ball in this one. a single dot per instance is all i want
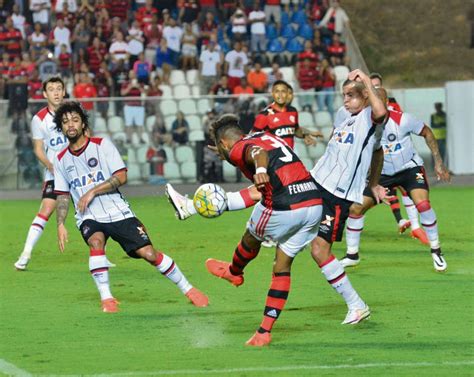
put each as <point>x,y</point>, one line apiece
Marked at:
<point>210,200</point>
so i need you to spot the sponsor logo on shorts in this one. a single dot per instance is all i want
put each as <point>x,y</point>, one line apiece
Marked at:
<point>142,232</point>
<point>92,162</point>
<point>85,230</point>
<point>420,178</point>
<point>49,189</point>
<point>328,220</point>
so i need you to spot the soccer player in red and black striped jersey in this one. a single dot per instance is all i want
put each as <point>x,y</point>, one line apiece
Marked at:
<point>280,119</point>
<point>288,213</point>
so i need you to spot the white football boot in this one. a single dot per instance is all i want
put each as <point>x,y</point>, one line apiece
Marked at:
<point>21,263</point>
<point>439,262</point>
<point>355,316</point>
<point>179,202</point>
<point>347,262</point>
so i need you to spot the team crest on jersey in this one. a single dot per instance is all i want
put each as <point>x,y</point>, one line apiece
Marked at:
<point>87,179</point>
<point>344,137</point>
<point>420,178</point>
<point>292,119</point>
<point>92,162</point>
<point>391,148</point>
<point>391,137</point>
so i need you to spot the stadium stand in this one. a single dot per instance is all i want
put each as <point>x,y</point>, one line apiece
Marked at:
<point>92,36</point>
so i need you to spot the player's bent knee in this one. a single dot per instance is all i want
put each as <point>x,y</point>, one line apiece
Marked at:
<point>423,206</point>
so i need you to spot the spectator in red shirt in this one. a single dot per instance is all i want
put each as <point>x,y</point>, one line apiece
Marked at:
<point>119,8</point>
<point>35,91</point>
<point>144,15</point>
<point>308,53</point>
<point>189,11</point>
<point>308,79</point>
<point>328,82</point>
<point>96,54</point>
<point>207,6</point>
<point>153,34</point>
<point>11,39</point>
<point>208,28</point>
<point>85,89</point>
<point>68,17</point>
<point>65,62</point>
<point>243,90</point>
<point>336,51</point>
<point>28,64</point>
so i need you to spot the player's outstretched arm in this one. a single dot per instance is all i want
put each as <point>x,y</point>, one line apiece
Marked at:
<point>308,135</point>
<point>62,208</point>
<point>441,171</point>
<point>113,183</point>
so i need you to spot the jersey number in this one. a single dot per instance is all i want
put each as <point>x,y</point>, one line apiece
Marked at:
<point>278,144</point>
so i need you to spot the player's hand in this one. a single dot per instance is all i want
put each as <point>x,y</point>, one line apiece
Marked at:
<point>442,173</point>
<point>358,75</point>
<point>216,151</point>
<point>309,137</point>
<point>62,237</point>
<point>84,201</point>
<point>50,167</point>
<point>380,194</point>
<point>260,180</point>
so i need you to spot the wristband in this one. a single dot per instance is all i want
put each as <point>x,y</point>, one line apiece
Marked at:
<point>261,170</point>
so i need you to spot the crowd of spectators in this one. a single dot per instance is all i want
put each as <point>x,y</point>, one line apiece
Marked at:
<point>129,48</point>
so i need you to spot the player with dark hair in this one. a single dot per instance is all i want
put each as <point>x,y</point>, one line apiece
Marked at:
<point>288,213</point>
<point>47,142</point>
<point>402,167</point>
<point>278,118</point>
<point>91,171</point>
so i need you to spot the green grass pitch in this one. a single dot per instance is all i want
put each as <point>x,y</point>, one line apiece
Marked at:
<point>421,324</point>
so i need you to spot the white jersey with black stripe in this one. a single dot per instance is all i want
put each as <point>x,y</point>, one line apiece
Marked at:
<point>76,172</point>
<point>343,168</point>
<point>399,153</point>
<point>43,128</point>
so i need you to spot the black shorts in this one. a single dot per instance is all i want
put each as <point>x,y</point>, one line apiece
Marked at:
<point>129,233</point>
<point>410,179</point>
<point>334,216</point>
<point>48,190</point>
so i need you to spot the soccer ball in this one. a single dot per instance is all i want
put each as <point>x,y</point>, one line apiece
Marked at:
<point>210,200</point>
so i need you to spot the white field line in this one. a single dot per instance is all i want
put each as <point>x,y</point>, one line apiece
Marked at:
<point>12,370</point>
<point>184,372</point>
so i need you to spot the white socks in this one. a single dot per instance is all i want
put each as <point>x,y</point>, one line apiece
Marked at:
<point>335,275</point>
<point>354,227</point>
<point>34,234</point>
<point>168,268</point>
<point>412,212</point>
<point>429,222</point>
<point>98,266</point>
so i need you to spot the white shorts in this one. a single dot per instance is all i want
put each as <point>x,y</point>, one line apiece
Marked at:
<point>134,115</point>
<point>292,230</point>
